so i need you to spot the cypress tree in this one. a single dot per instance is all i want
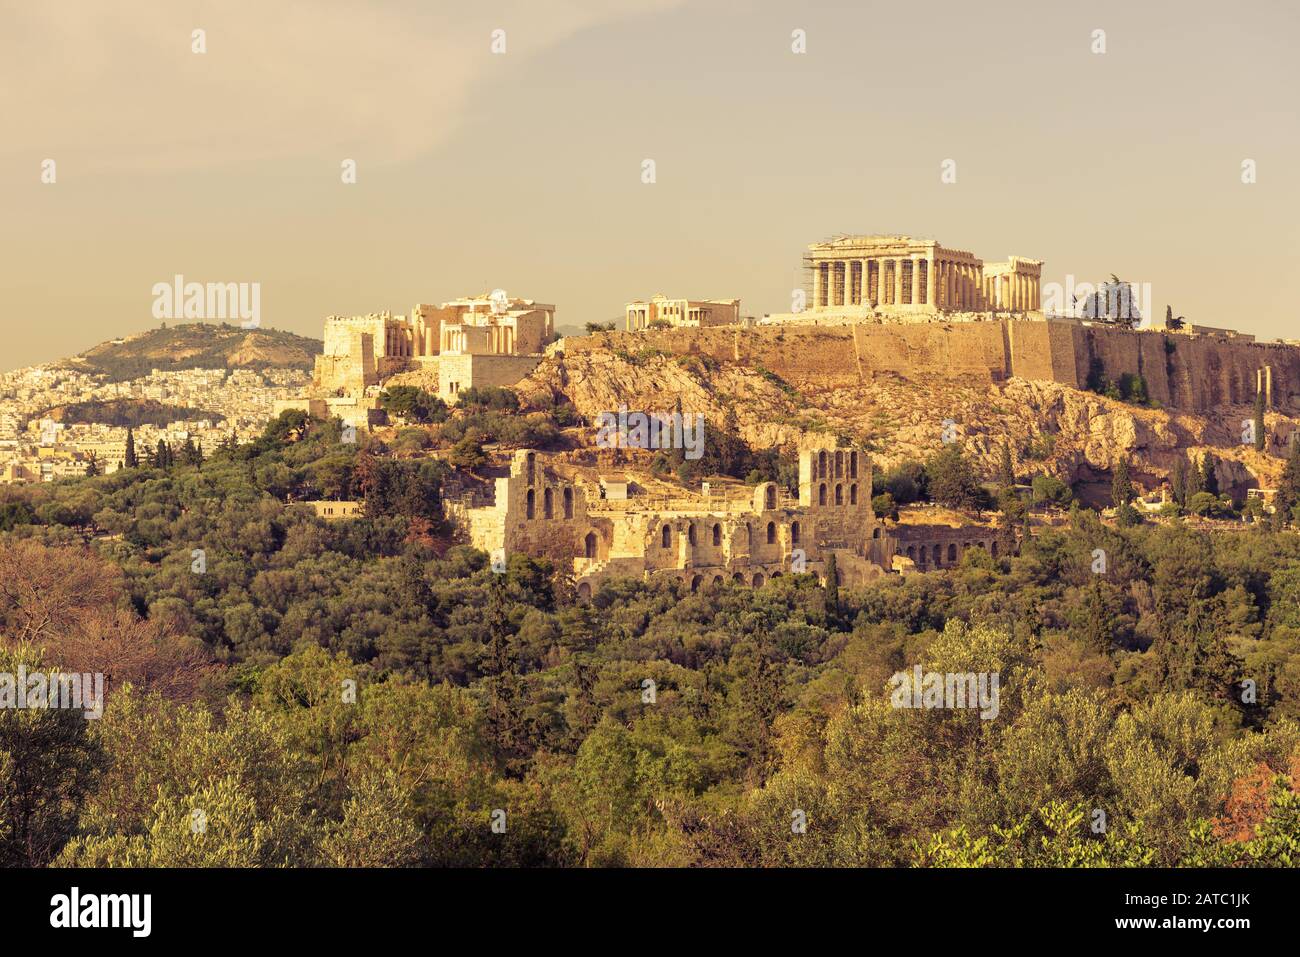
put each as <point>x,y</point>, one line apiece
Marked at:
<point>131,461</point>
<point>1209,480</point>
<point>1121,487</point>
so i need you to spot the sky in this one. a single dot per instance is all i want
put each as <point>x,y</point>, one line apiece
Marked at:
<point>523,170</point>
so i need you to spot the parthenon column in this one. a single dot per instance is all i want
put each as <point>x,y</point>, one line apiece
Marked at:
<point>898,281</point>
<point>916,279</point>
<point>817,285</point>
<point>950,284</point>
<point>929,281</point>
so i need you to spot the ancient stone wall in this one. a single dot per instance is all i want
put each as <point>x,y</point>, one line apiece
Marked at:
<point>1197,373</point>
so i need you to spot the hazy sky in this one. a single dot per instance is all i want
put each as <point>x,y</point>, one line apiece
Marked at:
<point>522,170</point>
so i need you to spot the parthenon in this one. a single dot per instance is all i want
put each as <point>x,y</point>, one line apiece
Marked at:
<point>852,274</point>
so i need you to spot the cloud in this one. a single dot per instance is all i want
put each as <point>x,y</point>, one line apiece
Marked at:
<point>117,86</point>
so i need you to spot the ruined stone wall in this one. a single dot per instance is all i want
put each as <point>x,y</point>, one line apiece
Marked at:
<point>1196,373</point>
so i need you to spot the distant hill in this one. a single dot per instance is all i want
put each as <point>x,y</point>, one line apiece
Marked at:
<point>197,345</point>
<point>132,413</point>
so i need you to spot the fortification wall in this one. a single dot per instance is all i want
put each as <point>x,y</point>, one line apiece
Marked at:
<point>1197,373</point>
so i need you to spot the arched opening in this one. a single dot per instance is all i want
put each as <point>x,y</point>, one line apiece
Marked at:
<point>875,532</point>
<point>717,534</point>
<point>666,536</point>
<point>911,552</point>
<point>589,545</point>
<point>530,504</point>
<point>821,464</point>
<point>952,552</point>
<point>839,495</point>
<point>547,504</point>
<point>568,503</point>
<point>938,555</point>
<point>696,582</point>
<point>993,549</point>
<point>584,591</point>
<point>853,494</point>
<point>757,579</point>
<point>690,533</point>
<point>738,578</point>
<point>531,459</point>
<point>794,533</point>
<point>853,465</point>
<point>771,533</point>
<point>769,497</point>
<point>821,494</point>
<point>717,580</point>
<point>775,575</point>
<point>839,464</point>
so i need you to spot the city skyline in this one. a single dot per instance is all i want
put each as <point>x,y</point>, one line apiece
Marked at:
<point>523,170</point>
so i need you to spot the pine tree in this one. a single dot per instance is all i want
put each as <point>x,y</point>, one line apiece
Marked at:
<point>1259,421</point>
<point>131,461</point>
<point>92,467</point>
<point>162,458</point>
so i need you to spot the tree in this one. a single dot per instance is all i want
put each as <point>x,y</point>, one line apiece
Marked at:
<point>832,587</point>
<point>92,467</point>
<point>47,764</point>
<point>952,480</point>
<point>1288,487</point>
<point>1006,470</point>
<point>1178,479</point>
<point>130,461</point>
<point>1209,477</point>
<point>1121,487</point>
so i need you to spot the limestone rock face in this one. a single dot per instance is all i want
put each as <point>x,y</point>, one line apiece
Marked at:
<point>1051,428</point>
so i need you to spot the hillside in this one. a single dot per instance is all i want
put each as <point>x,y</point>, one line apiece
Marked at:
<point>126,413</point>
<point>197,346</point>
<point>1052,428</point>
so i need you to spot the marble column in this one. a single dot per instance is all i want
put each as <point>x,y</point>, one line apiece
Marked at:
<point>929,281</point>
<point>898,282</point>
<point>817,285</point>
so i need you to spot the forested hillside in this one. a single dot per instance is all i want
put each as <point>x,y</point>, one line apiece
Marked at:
<point>370,692</point>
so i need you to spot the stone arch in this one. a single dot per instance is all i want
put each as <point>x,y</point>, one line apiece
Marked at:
<point>769,497</point>
<point>666,536</point>
<point>952,552</point>
<point>853,494</point>
<point>937,552</point>
<point>568,503</point>
<point>775,575</point>
<point>821,494</point>
<point>911,552</point>
<point>548,504</point>
<point>993,549</point>
<point>839,464</point>
<point>757,580</point>
<point>853,465</point>
<point>839,494</point>
<point>584,591</point>
<point>690,533</point>
<point>717,534</point>
<point>821,464</point>
<point>696,581</point>
<point>875,532</point>
<point>771,533</point>
<point>794,533</point>
<point>589,545</point>
<point>717,580</point>
<point>530,504</point>
<point>738,578</point>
